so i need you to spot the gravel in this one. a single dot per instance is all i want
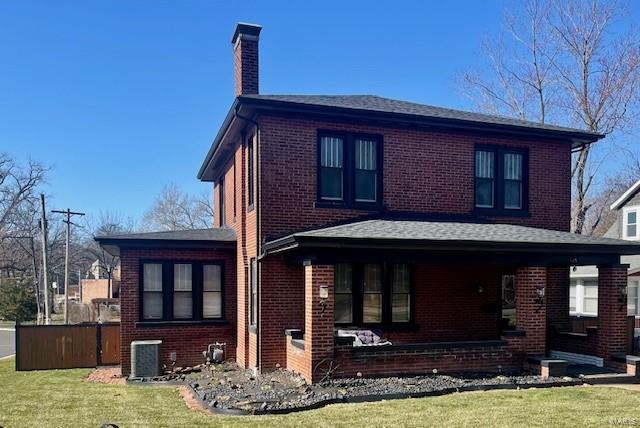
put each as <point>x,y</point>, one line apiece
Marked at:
<point>227,387</point>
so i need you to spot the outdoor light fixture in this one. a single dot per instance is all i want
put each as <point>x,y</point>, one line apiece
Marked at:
<point>324,292</point>
<point>622,294</point>
<point>324,295</point>
<point>480,288</point>
<point>539,295</point>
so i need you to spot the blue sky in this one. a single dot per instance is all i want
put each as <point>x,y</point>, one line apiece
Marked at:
<point>122,97</point>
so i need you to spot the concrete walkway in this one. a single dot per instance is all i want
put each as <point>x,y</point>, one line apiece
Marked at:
<point>7,342</point>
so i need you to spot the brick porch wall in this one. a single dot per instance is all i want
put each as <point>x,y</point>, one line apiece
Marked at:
<point>415,362</point>
<point>188,341</point>
<point>530,313</point>
<point>612,313</point>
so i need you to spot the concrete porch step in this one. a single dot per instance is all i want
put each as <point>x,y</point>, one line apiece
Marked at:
<point>610,378</point>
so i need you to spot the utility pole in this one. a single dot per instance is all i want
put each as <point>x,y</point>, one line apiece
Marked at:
<point>68,213</point>
<point>80,284</point>
<point>45,282</point>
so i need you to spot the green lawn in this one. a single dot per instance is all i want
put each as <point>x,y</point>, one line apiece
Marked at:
<point>61,399</point>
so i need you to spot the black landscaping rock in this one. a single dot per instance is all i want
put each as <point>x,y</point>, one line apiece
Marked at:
<point>225,386</point>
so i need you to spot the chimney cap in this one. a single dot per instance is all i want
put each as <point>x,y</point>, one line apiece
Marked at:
<point>246,28</point>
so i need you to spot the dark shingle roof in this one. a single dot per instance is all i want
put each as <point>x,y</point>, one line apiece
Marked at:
<point>438,233</point>
<point>386,105</point>
<point>224,234</point>
<point>218,237</point>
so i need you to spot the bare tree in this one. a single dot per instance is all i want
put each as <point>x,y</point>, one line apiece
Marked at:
<point>567,60</point>
<point>175,209</point>
<point>107,223</point>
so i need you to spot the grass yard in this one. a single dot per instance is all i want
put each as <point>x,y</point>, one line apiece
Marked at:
<point>60,398</point>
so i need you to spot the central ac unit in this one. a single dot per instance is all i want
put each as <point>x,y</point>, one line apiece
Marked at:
<point>145,358</point>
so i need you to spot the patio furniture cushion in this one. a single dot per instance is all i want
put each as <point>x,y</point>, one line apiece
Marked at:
<point>364,337</point>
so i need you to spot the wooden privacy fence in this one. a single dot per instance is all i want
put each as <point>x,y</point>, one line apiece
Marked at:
<point>67,346</point>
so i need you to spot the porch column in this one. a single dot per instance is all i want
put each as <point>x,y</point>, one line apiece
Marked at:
<point>531,308</point>
<point>612,311</point>
<point>557,295</point>
<point>318,325</point>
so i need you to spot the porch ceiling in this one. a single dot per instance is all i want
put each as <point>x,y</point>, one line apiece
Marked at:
<point>451,236</point>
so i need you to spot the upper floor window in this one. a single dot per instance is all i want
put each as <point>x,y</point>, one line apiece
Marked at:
<point>500,179</point>
<point>250,172</point>
<point>630,226</point>
<point>349,169</point>
<point>181,291</point>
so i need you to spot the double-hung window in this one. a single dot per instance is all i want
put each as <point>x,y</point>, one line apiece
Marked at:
<point>630,226</point>
<point>211,291</point>
<point>500,179</point>
<point>253,292</point>
<point>331,168</point>
<point>343,293</point>
<point>370,294</point>
<point>400,293</point>
<point>349,169</point>
<point>633,298</point>
<point>250,172</point>
<point>583,297</point>
<point>152,293</point>
<point>181,291</point>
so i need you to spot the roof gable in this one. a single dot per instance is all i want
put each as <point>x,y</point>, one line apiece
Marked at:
<point>626,196</point>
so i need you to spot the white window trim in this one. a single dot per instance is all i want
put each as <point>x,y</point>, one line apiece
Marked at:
<point>637,314</point>
<point>580,298</point>
<point>625,212</point>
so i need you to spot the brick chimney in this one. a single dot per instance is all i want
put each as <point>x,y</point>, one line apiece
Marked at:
<point>245,57</point>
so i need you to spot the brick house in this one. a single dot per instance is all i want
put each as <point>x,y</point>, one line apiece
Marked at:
<point>445,231</point>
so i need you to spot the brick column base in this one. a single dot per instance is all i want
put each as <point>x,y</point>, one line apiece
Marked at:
<point>612,311</point>
<point>531,315</point>
<point>318,326</point>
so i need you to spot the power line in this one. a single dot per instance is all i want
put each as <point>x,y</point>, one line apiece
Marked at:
<point>68,213</point>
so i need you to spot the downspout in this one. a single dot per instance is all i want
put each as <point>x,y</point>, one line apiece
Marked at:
<point>256,202</point>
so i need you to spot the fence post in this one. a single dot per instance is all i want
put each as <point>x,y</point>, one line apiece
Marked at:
<point>17,345</point>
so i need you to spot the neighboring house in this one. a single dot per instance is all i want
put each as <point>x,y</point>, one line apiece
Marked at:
<point>342,212</point>
<point>98,289</point>
<point>584,279</point>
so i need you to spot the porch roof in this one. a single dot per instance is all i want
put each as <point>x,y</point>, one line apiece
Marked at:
<point>217,237</point>
<point>455,236</point>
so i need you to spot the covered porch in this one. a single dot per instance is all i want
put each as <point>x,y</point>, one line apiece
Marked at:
<point>445,296</point>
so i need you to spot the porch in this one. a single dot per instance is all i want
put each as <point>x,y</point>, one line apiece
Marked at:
<point>454,313</point>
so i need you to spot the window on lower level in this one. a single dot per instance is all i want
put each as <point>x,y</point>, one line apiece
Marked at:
<point>633,298</point>
<point>253,294</point>
<point>181,291</point>
<point>583,297</point>
<point>372,293</point>
<point>211,291</point>
<point>152,294</point>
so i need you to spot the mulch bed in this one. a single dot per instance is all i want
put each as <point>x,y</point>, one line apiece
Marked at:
<point>225,388</point>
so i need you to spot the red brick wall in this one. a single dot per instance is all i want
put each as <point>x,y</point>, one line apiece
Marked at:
<point>188,341</point>
<point>283,307</point>
<point>557,294</point>
<point>245,58</point>
<point>424,171</point>
<point>412,362</point>
<point>530,314</point>
<point>612,314</point>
